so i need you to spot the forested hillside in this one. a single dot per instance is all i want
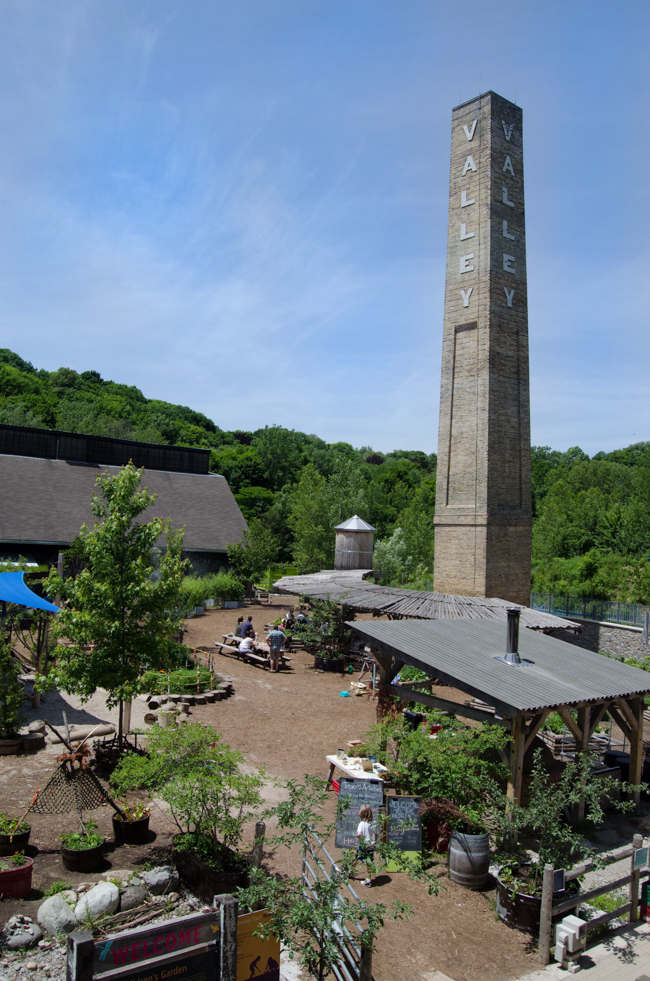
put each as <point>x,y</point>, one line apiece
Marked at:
<point>591,534</point>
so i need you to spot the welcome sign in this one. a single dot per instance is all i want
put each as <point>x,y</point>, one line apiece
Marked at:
<point>174,937</point>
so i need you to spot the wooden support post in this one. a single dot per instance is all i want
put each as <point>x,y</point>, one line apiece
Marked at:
<point>636,745</point>
<point>228,952</point>
<point>81,950</point>
<point>258,846</point>
<point>637,842</point>
<point>582,746</point>
<point>545,916</point>
<point>518,741</point>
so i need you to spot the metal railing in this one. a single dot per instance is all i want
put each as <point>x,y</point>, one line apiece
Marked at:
<point>629,614</point>
<point>355,961</point>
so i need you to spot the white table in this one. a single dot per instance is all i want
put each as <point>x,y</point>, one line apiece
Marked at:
<point>353,769</point>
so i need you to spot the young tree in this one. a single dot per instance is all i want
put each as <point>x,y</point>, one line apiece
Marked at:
<point>122,605</point>
<point>251,557</point>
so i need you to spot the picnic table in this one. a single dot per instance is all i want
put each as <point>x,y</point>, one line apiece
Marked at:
<point>354,769</point>
<point>231,646</point>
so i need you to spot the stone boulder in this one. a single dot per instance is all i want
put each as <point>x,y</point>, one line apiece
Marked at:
<point>19,933</point>
<point>162,880</point>
<point>103,899</point>
<point>55,916</point>
<point>131,897</point>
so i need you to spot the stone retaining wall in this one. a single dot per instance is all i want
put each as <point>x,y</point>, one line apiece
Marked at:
<point>607,638</point>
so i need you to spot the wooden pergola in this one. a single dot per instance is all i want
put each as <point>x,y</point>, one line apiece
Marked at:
<point>551,676</point>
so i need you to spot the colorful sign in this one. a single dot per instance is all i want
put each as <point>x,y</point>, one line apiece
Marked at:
<point>197,964</point>
<point>139,946</point>
<point>257,959</point>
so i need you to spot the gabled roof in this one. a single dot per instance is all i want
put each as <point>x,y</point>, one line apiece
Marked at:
<point>462,654</point>
<point>47,501</point>
<point>355,524</point>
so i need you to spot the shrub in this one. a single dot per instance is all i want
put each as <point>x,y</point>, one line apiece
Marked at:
<point>222,585</point>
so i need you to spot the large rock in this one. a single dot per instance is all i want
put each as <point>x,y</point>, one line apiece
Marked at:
<point>162,880</point>
<point>103,899</point>
<point>131,897</point>
<point>55,916</point>
<point>19,933</point>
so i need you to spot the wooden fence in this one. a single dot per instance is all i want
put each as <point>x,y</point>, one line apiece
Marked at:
<point>550,909</point>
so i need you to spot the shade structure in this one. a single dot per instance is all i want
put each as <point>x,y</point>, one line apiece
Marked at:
<point>14,590</point>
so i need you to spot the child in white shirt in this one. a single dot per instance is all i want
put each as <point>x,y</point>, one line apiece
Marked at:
<point>366,834</point>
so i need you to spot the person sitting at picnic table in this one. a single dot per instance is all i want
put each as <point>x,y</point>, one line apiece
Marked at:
<point>240,621</point>
<point>287,620</point>
<point>276,641</point>
<point>247,629</point>
<point>247,645</point>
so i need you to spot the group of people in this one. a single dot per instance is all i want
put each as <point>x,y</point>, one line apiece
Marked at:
<point>276,640</point>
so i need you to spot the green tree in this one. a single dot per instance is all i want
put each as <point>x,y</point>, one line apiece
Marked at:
<point>257,550</point>
<point>280,453</point>
<point>119,606</point>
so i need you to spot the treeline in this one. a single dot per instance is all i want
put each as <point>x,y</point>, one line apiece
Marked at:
<point>591,531</point>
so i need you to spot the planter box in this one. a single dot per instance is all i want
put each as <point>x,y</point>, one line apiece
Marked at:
<point>329,663</point>
<point>10,844</point>
<point>86,860</point>
<point>522,911</point>
<point>17,883</point>
<point>233,604</point>
<point>204,881</point>
<point>131,832</point>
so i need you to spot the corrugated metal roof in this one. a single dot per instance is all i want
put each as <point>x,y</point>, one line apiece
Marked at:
<point>462,653</point>
<point>350,587</point>
<point>355,523</point>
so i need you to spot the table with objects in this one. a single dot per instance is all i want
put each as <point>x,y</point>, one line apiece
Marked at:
<point>351,766</point>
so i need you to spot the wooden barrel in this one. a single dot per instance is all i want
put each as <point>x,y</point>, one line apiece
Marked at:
<point>469,859</point>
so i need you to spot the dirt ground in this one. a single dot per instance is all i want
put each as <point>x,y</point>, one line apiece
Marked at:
<point>286,723</point>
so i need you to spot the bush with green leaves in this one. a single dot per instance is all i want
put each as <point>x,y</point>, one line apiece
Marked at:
<point>84,839</point>
<point>203,783</point>
<point>222,585</point>
<point>12,826</point>
<point>12,711</point>
<point>557,841</point>
<point>461,768</point>
<point>304,922</point>
<point>179,682</point>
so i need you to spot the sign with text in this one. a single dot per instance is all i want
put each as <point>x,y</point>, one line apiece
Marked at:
<point>404,826</point>
<point>257,959</point>
<point>354,794</point>
<point>197,964</point>
<point>137,947</point>
<point>640,858</point>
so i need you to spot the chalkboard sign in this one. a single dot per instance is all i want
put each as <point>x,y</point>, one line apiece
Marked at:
<point>404,823</point>
<point>356,793</point>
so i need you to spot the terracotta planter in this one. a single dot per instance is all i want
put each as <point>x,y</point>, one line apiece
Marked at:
<point>9,747</point>
<point>86,860</point>
<point>131,832</point>
<point>17,883</point>
<point>204,881</point>
<point>10,844</point>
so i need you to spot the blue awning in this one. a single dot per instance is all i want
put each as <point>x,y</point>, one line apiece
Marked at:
<point>14,590</point>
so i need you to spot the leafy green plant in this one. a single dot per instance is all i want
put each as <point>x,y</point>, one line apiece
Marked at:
<point>12,826</point>
<point>118,612</point>
<point>200,779</point>
<point>557,841</point>
<point>303,921</point>
<point>15,861</point>
<point>182,681</point>
<point>81,841</point>
<point>459,773</point>
<point>196,589</point>
<point>56,888</point>
<point>12,710</point>
<point>132,812</point>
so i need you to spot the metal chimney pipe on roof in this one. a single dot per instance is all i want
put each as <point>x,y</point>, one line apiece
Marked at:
<point>512,640</point>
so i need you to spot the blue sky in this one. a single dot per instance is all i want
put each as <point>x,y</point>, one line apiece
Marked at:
<point>242,207</point>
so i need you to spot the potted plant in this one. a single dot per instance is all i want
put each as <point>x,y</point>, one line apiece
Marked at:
<point>328,635</point>
<point>81,851</point>
<point>131,827</point>
<point>16,876</point>
<point>519,881</point>
<point>14,835</point>
<point>11,703</point>
<point>209,797</point>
